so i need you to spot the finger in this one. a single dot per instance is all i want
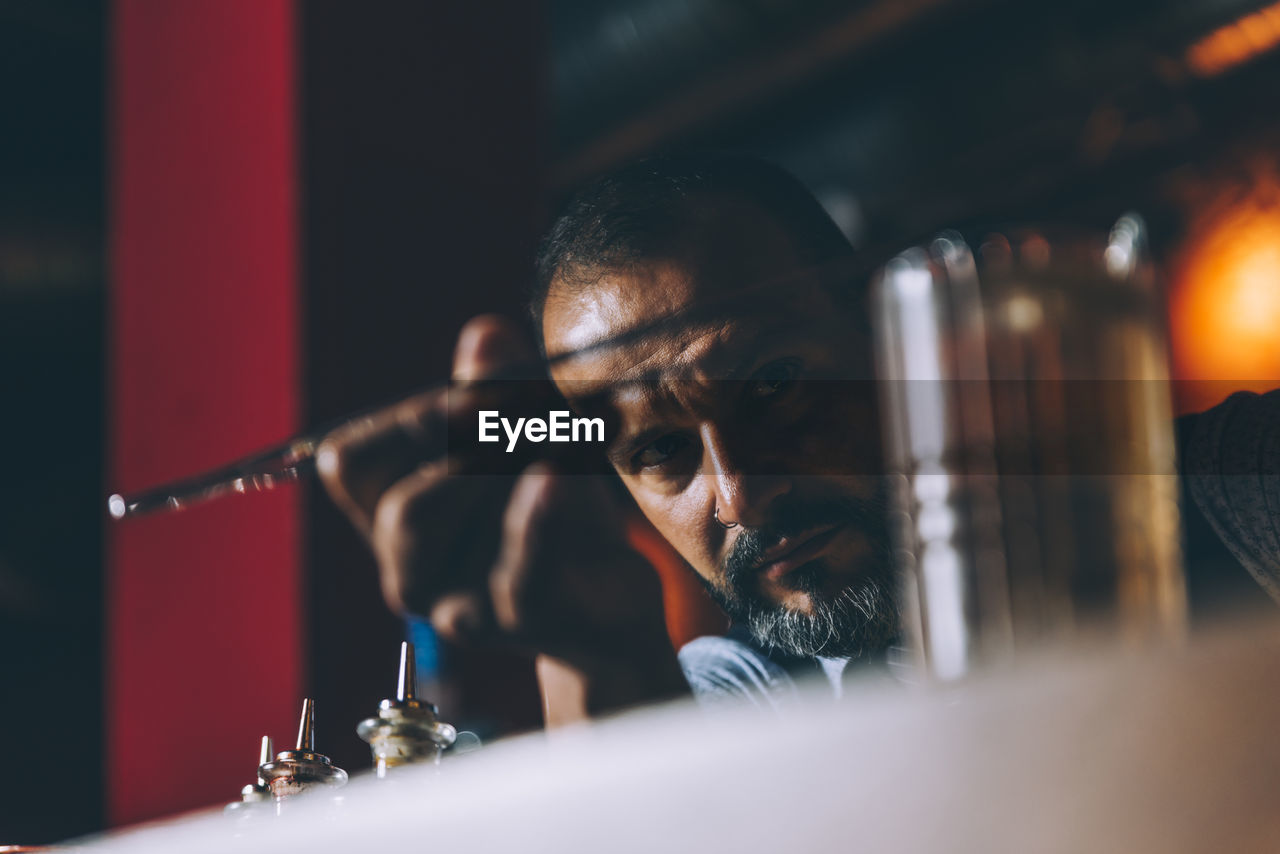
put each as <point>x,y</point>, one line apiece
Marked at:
<point>488,345</point>
<point>495,349</point>
<point>462,616</point>
<point>432,532</point>
<point>566,582</point>
<point>513,581</point>
<point>359,461</point>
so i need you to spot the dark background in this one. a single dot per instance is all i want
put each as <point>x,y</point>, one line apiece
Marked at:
<point>52,191</point>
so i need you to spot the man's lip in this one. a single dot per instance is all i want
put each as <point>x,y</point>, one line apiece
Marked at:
<point>793,552</point>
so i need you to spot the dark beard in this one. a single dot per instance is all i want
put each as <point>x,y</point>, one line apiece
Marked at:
<point>859,620</point>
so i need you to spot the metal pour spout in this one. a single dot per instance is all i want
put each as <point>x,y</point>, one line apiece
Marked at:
<point>405,730</point>
<point>295,771</point>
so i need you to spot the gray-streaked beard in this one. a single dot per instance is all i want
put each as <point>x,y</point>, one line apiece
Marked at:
<point>861,620</point>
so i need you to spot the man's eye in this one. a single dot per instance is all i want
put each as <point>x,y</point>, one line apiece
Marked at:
<point>660,451</point>
<point>773,379</point>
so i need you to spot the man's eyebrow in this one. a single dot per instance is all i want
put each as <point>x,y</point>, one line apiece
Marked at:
<point>761,343</point>
<point>767,338</point>
<point>597,398</point>
<point>624,448</point>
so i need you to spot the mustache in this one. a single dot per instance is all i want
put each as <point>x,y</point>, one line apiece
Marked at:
<point>792,516</point>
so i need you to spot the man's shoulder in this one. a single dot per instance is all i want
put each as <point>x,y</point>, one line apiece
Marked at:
<point>728,670</point>
<point>1230,462</point>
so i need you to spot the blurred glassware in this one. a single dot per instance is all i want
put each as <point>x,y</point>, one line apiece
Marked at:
<point>1029,429</point>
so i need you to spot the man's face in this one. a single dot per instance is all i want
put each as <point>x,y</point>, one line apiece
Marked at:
<point>751,412</point>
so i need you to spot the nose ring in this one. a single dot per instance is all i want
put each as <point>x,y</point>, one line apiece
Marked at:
<point>715,513</point>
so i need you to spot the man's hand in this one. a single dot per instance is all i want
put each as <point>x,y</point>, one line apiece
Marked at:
<point>538,560</point>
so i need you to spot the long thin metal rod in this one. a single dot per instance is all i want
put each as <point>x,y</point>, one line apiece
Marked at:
<point>295,458</point>
<point>266,752</point>
<point>407,684</point>
<point>307,726</point>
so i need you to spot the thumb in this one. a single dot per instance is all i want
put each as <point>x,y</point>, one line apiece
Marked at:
<point>524,526</point>
<point>488,344</point>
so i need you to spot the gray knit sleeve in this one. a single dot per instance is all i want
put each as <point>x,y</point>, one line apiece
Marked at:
<point>1231,461</point>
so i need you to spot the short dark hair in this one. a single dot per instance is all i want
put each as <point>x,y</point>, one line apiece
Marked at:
<point>643,209</point>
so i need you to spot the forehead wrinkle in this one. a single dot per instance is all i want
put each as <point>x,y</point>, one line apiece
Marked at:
<point>673,379</point>
<point>687,356</point>
<point>695,355</point>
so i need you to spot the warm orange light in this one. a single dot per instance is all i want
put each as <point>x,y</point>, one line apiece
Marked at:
<point>1235,43</point>
<point>1225,304</point>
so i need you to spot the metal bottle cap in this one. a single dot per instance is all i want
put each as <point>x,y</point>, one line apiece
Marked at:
<point>406,729</point>
<point>296,770</point>
<point>258,792</point>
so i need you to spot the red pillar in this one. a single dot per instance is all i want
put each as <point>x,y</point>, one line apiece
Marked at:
<point>204,607</point>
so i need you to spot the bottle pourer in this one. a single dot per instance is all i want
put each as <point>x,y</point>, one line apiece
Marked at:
<point>255,793</point>
<point>406,729</point>
<point>295,771</point>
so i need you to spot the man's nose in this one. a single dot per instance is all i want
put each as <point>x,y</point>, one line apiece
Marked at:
<point>744,484</point>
